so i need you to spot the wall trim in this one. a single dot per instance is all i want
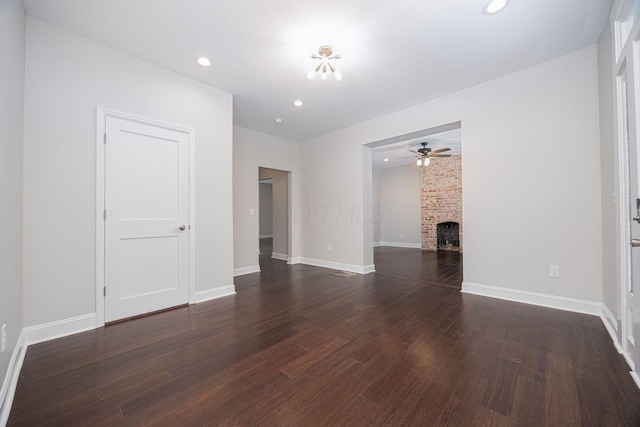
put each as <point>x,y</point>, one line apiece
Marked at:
<point>534,298</point>
<point>246,270</point>
<point>611,325</point>
<point>282,257</point>
<point>635,377</point>
<point>266,236</point>
<point>399,245</point>
<point>376,244</point>
<point>59,328</point>
<point>209,294</point>
<point>11,379</point>
<point>360,269</point>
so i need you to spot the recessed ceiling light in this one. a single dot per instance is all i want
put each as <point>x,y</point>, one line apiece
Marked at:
<point>278,120</point>
<point>204,61</point>
<point>386,160</point>
<point>494,6</point>
<point>298,103</point>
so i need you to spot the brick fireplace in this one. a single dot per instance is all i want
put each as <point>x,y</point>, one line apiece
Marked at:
<point>441,201</point>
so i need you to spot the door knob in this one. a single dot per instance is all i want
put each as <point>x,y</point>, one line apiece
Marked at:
<point>182,228</point>
<point>634,243</point>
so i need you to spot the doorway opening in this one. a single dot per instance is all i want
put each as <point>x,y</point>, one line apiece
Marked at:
<point>273,213</point>
<point>416,198</point>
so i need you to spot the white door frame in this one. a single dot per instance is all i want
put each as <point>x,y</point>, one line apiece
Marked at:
<point>101,119</point>
<point>623,225</point>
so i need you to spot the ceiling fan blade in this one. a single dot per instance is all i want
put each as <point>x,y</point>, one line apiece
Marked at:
<point>442,150</point>
<point>441,155</point>
<point>402,158</point>
<point>417,152</point>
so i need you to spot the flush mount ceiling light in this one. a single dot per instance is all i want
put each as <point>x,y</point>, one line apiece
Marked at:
<point>325,55</point>
<point>204,61</point>
<point>494,6</point>
<point>278,120</point>
<point>298,103</point>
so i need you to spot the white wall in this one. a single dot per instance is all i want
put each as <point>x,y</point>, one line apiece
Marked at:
<point>12,45</point>
<point>66,78</point>
<point>523,208</point>
<point>266,209</point>
<point>252,150</point>
<point>332,174</point>
<point>610,280</point>
<point>400,205</point>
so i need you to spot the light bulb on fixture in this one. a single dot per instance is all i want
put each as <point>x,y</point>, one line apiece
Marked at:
<point>426,161</point>
<point>419,162</point>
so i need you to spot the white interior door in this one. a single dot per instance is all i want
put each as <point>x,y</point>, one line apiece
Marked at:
<point>146,218</point>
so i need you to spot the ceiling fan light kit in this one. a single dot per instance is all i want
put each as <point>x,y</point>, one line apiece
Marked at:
<point>325,55</point>
<point>425,154</point>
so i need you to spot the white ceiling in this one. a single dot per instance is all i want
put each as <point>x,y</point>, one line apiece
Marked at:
<point>396,53</point>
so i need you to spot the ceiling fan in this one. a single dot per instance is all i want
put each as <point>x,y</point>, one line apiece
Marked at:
<point>426,153</point>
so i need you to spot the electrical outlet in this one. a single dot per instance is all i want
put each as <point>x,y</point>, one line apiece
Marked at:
<point>4,337</point>
<point>329,247</point>
<point>554,271</point>
<point>252,211</point>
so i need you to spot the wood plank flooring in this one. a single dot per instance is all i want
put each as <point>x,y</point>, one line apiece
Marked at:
<point>298,346</point>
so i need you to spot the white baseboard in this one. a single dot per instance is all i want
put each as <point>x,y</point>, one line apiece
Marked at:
<point>533,298</point>
<point>376,244</point>
<point>294,260</point>
<point>635,377</point>
<point>371,268</point>
<point>360,269</point>
<point>399,245</point>
<point>282,257</point>
<point>209,294</point>
<point>266,236</point>
<point>11,379</point>
<point>59,328</point>
<point>246,270</point>
<point>611,324</point>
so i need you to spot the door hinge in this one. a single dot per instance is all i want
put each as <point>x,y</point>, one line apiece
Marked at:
<point>104,291</point>
<point>105,138</point>
<point>189,227</point>
<point>104,214</point>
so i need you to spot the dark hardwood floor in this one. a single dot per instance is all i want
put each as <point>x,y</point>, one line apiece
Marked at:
<point>299,346</point>
<point>441,267</point>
